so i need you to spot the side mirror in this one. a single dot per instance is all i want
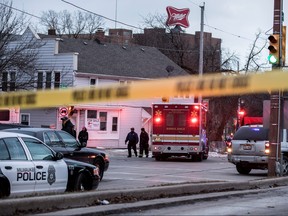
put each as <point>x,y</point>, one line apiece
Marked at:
<point>59,156</point>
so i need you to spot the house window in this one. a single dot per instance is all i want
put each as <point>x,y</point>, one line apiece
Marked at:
<point>92,82</point>
<point>91,114</point>
<point>25,119</point>
<point>48,80</point>
<point>103,121</point>
<point>4,115</point>
<point>4,81</point>
<point>57,80</point>
<point>114,123</point>
<point>40,80</point>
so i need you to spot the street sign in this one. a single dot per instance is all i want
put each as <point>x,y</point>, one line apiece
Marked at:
<point>63,111</point>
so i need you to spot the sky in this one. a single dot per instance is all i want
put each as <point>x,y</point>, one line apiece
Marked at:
<point>236,22</point>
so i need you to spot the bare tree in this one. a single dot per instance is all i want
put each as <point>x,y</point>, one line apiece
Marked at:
<point>254,63</point>
<point>17,57</point>
<point>72,25</point>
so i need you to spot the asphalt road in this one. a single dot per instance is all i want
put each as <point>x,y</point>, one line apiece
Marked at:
<point>129,173</point>
<point>136,179</point>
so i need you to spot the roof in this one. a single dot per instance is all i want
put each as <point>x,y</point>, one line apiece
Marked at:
<point>117,60</point>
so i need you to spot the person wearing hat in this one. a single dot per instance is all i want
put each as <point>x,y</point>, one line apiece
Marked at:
<point>144,145</point>
<point>67,125</point>
<point>132,139</point>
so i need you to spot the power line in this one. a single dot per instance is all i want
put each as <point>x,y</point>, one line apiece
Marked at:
<point>24,12</point>
<point>100,15</point>
<point>238,36</point>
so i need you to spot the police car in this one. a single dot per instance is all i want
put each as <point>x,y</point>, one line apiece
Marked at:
<point>28,166</point>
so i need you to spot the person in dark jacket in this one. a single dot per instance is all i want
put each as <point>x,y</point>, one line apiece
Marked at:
<point>83,136</point>
<point>144,145</point>
<point>132,139</point>
<point>67,125</point>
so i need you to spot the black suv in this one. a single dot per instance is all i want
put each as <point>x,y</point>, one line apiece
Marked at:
<point>61,141</point>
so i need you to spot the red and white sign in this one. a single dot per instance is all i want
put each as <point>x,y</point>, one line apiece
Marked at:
<point>177,16</point>
<point>63,111</point>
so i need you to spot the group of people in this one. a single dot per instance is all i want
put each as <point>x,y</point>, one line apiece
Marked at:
<point>68,126</point>
<point>132,140</point>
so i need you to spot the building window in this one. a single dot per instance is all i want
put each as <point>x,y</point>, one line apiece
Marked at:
<point>57,80</point>
<point>48,80</point>
<point>4,81</point>
<point>40,80</point>
<point>92,82</point>
<point>4,115</point>
<point>91,114</point>
<point>12,81</point>
<point>25,119</point>
<point>114,123</point>
<point>103,121</point>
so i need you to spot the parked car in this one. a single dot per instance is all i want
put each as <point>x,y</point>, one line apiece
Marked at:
<point>250,149</point>
<point>29,166</point>
<point>61,141</point>
<point>11,125</point>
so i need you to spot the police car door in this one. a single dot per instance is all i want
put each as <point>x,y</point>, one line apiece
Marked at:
<point>50,174</point>
<point>16,167</point>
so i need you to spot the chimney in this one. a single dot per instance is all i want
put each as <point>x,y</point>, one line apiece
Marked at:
<point>100,34</point>
<point>51,32</point>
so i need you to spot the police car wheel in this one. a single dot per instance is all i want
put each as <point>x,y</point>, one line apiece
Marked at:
<point>4,189</point>
<point>81,183</point>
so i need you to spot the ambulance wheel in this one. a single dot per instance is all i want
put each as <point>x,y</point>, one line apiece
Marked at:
<point>199,157</point>
<point>158,158</point>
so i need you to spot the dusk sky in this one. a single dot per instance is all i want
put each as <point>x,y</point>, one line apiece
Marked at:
<point>235,22</point>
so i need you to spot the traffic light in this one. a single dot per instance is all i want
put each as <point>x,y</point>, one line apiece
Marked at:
<point>273,57</point>
<point>283,45</point>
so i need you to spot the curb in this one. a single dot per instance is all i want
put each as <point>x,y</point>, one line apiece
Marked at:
<point>42,204</point>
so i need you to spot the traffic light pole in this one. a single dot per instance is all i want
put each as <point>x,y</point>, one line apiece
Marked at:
<point>274,159</point>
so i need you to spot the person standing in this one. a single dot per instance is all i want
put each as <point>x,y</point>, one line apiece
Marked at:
<point>132,139</point>
<point>83,137</point>
<point>144,145</point>
<point>67,125</point>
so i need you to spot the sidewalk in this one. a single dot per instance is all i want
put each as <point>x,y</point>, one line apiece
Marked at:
<point>124,152</point>
<point>85,202</point>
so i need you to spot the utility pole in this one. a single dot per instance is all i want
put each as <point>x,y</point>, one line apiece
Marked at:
<point>201,47</point>
<point>276,106</point>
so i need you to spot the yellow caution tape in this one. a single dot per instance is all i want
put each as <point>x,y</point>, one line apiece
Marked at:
<point>207,85</point>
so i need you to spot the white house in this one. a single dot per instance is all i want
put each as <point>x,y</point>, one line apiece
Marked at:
<point>66,62</point>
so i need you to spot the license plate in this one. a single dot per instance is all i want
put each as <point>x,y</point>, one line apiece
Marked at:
<point>247,147</point>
